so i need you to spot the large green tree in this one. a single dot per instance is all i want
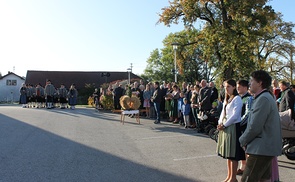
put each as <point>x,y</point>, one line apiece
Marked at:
<point>230,31</point>
<point>191,65</point>
<point>157,68</point>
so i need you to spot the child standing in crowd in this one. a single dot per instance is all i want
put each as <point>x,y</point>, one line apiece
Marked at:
<point>185,109</point>
<point>179,107</point>
<point>216,109</point>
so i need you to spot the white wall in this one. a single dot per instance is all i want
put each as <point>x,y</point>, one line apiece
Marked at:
<point>10,93</point>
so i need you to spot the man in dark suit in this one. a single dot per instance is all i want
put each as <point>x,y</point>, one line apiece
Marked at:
<point>156,99</point>
<point>205,96</point>
<point>214,92</point>
<point>118,93</point>
<point>287,98</point>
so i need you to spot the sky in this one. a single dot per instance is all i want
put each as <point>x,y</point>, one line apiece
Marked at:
<point>86,35</point>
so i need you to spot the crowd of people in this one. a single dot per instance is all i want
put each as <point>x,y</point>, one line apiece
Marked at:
<point>246,113</point>
<point>167,101</point>
<point>248,118</point>
<point>48,96</point>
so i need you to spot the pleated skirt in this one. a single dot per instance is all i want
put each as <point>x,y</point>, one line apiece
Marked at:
<point>174,108</point>
<point>228,145</point>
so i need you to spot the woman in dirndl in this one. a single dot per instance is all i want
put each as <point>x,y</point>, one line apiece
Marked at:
<point>168,97</point>
<point>228,145</point>
<point>174,104</point>
<point>72,96</point>
<point>147,95</point>
<point>23,95</point>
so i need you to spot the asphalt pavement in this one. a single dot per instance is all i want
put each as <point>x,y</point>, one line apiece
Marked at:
<point>87,145</point>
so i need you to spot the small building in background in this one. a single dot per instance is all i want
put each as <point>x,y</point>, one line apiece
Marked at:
<point>10,85</point>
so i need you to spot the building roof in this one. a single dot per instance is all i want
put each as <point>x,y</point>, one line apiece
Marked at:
<point>79,78</point>
<point>11,73</point>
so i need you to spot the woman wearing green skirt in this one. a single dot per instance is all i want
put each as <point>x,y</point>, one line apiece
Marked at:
<point>228,145</point>
<point>174,104</point>
<point>168,98</point>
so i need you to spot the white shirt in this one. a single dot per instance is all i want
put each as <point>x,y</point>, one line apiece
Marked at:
<point>233,112</point>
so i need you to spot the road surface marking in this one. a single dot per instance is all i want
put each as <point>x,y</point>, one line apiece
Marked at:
<point>197,157</point>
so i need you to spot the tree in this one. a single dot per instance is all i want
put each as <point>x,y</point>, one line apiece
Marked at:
<point>85,92</point>
<point>191,65</point>
<point>230,30</point>
<point>157,69</point>
<point>276,36</point>
<point>287,68</point>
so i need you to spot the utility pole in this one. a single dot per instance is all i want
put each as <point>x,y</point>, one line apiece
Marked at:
<point>131,67</point>
<point>175,46</point>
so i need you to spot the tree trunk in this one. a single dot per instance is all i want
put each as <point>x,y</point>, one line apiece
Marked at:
<point>228,73</point>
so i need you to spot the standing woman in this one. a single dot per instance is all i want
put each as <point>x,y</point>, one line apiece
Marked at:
<point>147,95</point>
<point>168,97</point>
<point>195,105</point>
<point>228,145</point>
<point>72,95</point>
<point>23,95</point>
<point>174,104</point>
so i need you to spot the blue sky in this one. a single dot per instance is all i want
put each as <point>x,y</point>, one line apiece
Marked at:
<point>85,35</point>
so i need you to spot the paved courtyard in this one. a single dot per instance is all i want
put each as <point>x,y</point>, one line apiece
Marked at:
<point>85,145</point>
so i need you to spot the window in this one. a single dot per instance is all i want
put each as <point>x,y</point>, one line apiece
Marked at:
<point>11,82</point>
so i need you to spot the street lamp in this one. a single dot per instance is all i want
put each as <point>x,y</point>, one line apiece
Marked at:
<point>106,74</point>
<point>129,70</point>
<point>175,45</point>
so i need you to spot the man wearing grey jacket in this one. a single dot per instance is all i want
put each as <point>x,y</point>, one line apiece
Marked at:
<point>262,138</point>
<point>49,93</point>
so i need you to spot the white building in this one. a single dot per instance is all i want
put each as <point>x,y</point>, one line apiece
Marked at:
<point>10,85</point>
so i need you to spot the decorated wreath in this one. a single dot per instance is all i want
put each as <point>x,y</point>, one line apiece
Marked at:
<point>129,103</point>
<point>107,101</point>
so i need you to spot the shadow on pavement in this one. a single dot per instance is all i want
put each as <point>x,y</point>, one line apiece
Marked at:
<point>286,165</point>
<point>89,112</point>
<point>30,154</point>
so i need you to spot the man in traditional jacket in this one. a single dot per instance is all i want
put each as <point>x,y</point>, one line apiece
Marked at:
<point>62,96</point>
<point>39,95</point>
<point>49,93</point>
<point>262,138</point>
